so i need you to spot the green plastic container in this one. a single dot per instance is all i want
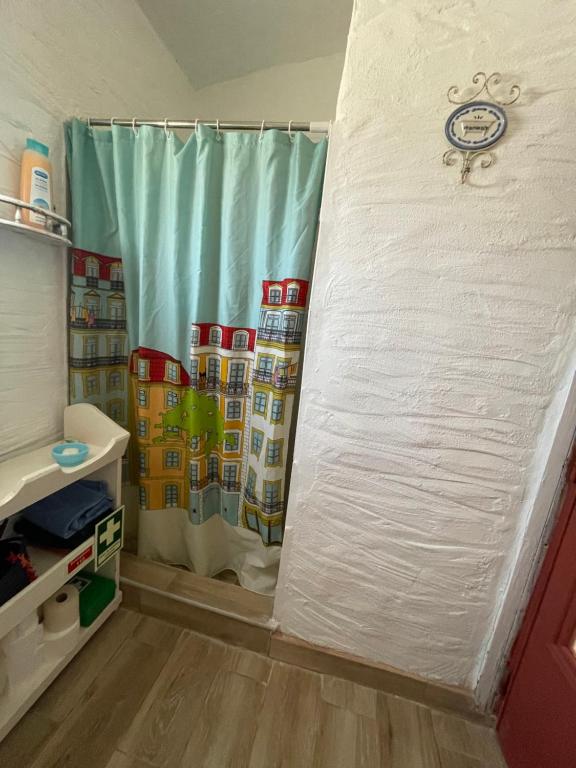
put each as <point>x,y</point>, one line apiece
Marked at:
<point>96,592</point>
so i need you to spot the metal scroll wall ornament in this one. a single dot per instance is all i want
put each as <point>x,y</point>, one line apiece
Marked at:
<point>475,126</point>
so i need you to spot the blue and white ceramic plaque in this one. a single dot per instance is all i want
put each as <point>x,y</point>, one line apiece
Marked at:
<point>476,125</point>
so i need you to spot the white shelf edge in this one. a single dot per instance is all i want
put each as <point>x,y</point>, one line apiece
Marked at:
<point>37,234</point>
<point>37,592</point>
<point>33,475</point>
<point>46,212</point>
<point>15,703</point>
<point>45,233</point>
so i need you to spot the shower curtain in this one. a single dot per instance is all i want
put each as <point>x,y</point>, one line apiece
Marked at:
<point>189,284</point>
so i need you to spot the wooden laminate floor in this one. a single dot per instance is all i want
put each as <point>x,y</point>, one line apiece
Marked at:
<point>147,694</point>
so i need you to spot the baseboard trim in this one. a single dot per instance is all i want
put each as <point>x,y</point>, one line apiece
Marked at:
<point>292,650</point>
<point>269,624</point>
<point>156,590</point>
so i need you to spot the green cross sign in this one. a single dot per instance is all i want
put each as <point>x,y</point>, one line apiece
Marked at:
<point>109,536</point>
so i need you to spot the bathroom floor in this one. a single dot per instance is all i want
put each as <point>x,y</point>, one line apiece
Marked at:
<point>146,694</point>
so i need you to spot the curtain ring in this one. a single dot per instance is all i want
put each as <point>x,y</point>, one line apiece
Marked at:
<point>261,131</point>
<point>218,128</point>
<point>134,131</point>
<point>112,121</point>
<point>196,125</point>
<point>290,130</point>
<point>166,131</point>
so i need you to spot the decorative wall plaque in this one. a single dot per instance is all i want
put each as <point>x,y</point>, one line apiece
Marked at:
<point>475,126</point>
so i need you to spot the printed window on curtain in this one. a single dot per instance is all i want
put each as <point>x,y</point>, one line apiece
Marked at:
<point>93,305</point>
<point>183,260</point>
<point>91,346</point>
<point>275,295</point>
<point>213,469</point>
<point>232,442</point>
<point>273,321</point>
<point>229,476</point>
<point>251,482</point>
<point>234,410</point>
<point>194,372</point>
<point>240,340</point>
<point>272,492</point>
<point>237,374</point>
<point>171,495</point>
<point>277,410</point>
<point>260,402</point>
<point>292,295</point>
<point>92,269</point>
<point>116,273</point>
<point>115,380</point>
<point>213,371</point>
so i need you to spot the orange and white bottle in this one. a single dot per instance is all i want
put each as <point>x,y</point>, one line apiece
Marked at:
<point>35,181</point>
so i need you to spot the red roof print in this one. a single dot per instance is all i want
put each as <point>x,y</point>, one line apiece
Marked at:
<point>226,335</point>
<point>79,263</point>
<point>157,369</point>
<point>293,292</point>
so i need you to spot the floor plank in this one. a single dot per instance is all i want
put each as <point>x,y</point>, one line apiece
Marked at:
<point>465,738</point>
<point>225,730</point>
<point>356,698</point>
<point>156,633</point>
<point>120,760</point>
<point>249,664</point>
<point>112,700</point>
<point>22,744</point>
<point>345,740</point>
<point>148,694</point>
<point>288,726</point>
<point>412,739</point>
<point>73,684</point>
<point>456,760</point>
<point>162,728</point>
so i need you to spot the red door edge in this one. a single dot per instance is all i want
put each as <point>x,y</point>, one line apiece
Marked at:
<point>548,558</point>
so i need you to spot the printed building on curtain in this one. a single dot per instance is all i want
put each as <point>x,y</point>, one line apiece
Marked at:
<point>98,340</point>
<point>277,353</point>
<point>158,385</point>
<point>214,440</point>
<point>221,360</point>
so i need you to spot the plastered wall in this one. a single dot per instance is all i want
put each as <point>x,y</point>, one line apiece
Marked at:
<point>59,59</point>
<point>441,345</point>
<point>306,90</point>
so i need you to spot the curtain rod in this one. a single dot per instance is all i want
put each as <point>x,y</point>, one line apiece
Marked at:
<point>223,125</point>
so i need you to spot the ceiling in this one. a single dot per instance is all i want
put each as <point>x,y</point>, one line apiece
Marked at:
<point>217,40</point>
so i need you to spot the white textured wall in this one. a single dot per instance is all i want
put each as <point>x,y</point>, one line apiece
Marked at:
<point>441,342</point>
<point>307,90</point>
<point>60,58</point>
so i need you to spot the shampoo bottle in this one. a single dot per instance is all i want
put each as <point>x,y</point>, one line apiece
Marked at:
<point>35,181</point>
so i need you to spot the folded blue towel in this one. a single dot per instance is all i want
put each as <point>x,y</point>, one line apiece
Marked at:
<point>71,509</point>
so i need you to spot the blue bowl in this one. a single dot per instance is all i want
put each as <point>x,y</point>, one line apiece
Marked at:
<point>70,454</point>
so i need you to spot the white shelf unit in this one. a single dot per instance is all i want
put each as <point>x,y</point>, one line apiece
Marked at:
<point>28,478</point>
<point>55,228</point>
